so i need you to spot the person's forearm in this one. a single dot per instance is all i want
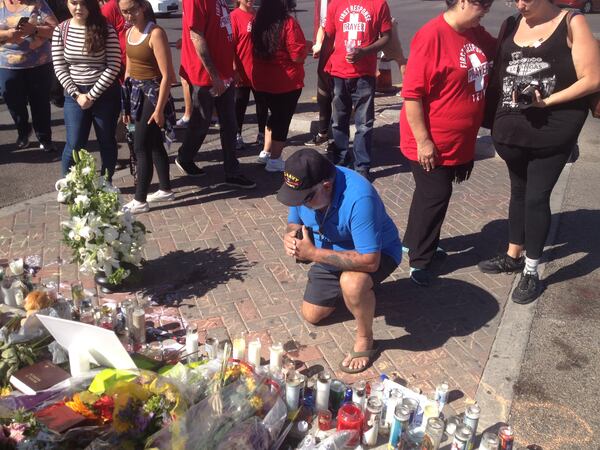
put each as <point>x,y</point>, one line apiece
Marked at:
<point>349,260</point>
<point>416,119</point>
<point>201,47</point>
<point>378,45</point>
<point>163,93</point>
<point>581,88</point>
<point>320,36</point>
<point>45,31</point>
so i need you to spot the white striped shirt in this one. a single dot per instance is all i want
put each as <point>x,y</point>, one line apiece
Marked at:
<point>75,66</point>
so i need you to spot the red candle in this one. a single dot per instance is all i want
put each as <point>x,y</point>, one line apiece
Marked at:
<point>351,417</point>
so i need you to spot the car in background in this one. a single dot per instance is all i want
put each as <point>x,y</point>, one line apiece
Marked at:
<point>585,6</point>
<point>164,7</point>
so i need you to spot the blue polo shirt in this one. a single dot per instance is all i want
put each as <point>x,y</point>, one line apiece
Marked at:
<point>356,219</point>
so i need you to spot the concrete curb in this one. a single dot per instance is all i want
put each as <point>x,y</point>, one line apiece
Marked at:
<point>495,392</point>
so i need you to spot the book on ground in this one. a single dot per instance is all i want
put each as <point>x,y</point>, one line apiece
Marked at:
<point>38,377</point>
<point>59,417</point>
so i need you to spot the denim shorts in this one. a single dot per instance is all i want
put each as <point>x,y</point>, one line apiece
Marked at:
<point>323,286</point>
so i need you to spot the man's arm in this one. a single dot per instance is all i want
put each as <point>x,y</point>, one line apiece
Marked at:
<point>201,47</point>
<point>349,260</point>
<point>361,52</point>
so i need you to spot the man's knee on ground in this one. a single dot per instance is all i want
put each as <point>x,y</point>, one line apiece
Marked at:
<point>314,313</point>
<point>355,284</point>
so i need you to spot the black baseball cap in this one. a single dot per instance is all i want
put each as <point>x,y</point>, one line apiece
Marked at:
<point>303,170</point>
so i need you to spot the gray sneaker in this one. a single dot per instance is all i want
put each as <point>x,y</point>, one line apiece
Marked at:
<point>528,289</point>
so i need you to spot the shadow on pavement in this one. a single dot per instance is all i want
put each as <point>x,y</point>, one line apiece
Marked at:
<point>433,315</point>
<point>189,274</point>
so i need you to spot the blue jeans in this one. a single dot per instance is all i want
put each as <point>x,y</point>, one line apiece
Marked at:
<point>357,93</point>
<point>199,123</point>
<point>104,114</point>
<point>20,87</point>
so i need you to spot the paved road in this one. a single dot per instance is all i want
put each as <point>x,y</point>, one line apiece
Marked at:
<point>28,173</point>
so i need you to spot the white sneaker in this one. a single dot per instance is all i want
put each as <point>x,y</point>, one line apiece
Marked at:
<point>263,157</point>
<point>275,165</point>
<point>239,142</point>
<point>160,196</point>
<point>135,207</point>
<point>260,139</point>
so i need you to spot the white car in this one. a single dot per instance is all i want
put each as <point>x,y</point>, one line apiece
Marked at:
<point>164,6</point>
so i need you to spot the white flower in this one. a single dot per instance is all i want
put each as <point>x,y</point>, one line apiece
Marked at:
<point>86,170</point>
<point>82,200</point>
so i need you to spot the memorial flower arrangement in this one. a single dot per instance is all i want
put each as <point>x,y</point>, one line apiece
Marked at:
<point>17,428</point>
<point>102,236</point>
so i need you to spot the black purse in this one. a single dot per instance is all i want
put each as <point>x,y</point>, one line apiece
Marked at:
<point>493,93</point>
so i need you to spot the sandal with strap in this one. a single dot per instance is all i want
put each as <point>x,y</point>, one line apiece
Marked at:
<point>370,354</point>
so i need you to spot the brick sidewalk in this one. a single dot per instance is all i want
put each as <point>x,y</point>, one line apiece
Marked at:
<point>214,256</point>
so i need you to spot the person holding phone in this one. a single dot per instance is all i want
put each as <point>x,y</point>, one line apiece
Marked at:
<point>25,67</point>
<point>354,245</point>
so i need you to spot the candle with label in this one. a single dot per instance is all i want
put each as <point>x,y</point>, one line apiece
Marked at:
<point>323,386</point>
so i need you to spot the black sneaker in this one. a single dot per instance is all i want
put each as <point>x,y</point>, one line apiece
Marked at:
<point>22,142</point>
<point>240,181</point>
<point>189,169</point>
<point>502,264</point>
<point>421,277</point>
<point>317,140</point>
<point>47,147</point>
<point>528,289</point>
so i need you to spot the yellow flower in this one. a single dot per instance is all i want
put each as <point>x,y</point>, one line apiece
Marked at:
<point>256,402</point>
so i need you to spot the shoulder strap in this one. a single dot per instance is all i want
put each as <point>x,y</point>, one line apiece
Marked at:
<point>64,30</point>
<point>570,14</point>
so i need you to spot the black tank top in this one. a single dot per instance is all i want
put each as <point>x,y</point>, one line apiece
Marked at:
<point>549,68</point>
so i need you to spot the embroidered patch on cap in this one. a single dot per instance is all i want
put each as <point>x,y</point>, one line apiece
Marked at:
<point>292,180</point>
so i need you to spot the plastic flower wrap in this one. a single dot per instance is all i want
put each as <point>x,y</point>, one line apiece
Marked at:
<point>221,418</point>
<point>101,235</point>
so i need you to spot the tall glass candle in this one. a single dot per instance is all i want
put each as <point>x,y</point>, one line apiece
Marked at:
<point>351,417</point>
<point>276,356</point>
<point>239,346</point>
<point>139,325</point>
<point>211,345</point>
<point>191,343</point>
<point>323,385</point>
<point>254,348</point>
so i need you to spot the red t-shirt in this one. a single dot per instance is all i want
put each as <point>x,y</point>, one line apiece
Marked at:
<point>280,74</point>
<point>241,23</point>
<point>110,10</point>
<point>211,18</point>
<point>449,72</point>
<point>355,23</point>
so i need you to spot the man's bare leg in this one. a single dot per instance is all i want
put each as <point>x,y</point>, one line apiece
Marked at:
<point>315,313</point>
<point>357,288</point>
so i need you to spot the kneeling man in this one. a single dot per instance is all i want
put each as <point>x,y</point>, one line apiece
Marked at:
<point>347,233</point>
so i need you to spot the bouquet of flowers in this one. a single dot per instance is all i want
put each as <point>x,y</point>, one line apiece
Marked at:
<point>17,429</point>
<point>101,235</point>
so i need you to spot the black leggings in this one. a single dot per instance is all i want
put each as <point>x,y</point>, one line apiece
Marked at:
<point>324,99</point>
<point>148,147</point>
<point>282,107</point>
<point>242,96</point>
<point>533,173</point>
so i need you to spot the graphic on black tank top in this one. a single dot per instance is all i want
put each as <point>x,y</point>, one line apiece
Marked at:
<point>523,76</point>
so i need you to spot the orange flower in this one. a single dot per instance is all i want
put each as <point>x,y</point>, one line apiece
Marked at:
<point>77,405</point>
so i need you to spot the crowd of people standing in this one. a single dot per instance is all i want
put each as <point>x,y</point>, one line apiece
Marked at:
<point>111,59</point>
